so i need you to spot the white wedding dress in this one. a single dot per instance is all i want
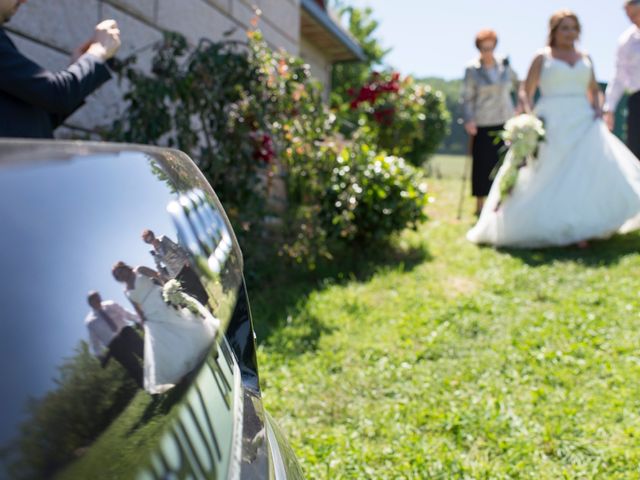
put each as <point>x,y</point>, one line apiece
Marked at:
<point>584,184</point>
<point>175,340</point>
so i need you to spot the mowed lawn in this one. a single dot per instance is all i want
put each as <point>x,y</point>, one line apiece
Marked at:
<point>440,359</point>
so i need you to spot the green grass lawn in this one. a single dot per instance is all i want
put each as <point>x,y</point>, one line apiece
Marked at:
<point>440,359</point>
<point>447,166</point>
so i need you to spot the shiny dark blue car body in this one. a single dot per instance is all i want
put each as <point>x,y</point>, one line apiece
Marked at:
<point>69,211</point>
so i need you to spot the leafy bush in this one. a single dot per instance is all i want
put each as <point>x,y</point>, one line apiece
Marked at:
<point>435,125</point>
<point>353,196</point>
<point>214,102</point>
<point>371,195</point>
<point>456,142</point>
<point>245,113</point>
<point>404,118</point>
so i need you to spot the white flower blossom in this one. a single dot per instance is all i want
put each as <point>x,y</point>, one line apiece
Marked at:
<point>172,294</point>
<point>521,135</point>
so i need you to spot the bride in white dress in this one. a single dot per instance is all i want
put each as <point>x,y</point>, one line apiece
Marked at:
<point>585,183</point>
<point>175,339</point>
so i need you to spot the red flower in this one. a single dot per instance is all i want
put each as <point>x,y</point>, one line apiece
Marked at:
<point>384,116</point>
<point>264,149</point>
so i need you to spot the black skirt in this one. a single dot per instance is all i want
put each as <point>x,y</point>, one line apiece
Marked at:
<point>486,155</point>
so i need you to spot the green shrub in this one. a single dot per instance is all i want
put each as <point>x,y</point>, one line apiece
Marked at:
<point>435,125</point>
<point>402,117</point>
<point>372,195</point>
<point>212,102</point>
<point>245,113</point>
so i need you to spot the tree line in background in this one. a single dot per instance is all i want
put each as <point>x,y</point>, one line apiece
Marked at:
<point>249,115</point>
<point>457,140</point>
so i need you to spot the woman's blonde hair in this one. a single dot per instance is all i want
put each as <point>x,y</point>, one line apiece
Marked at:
<point>555,21</point>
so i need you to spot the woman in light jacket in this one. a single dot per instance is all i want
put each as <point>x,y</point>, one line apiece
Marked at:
<point>487,105</point>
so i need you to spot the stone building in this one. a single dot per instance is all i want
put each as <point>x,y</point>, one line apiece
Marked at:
<point>47,31</point>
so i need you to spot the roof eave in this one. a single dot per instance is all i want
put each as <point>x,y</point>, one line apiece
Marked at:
<point>353,51</point>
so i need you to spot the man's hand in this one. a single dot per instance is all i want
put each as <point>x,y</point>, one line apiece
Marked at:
<point>471,128</point>
<point>609,119</point>
<point>105,41</point>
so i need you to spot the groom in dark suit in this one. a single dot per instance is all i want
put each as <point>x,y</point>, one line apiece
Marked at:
<point>34,101</point>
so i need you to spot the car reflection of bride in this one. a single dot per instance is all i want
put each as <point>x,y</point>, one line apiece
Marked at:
<point>177,336</point>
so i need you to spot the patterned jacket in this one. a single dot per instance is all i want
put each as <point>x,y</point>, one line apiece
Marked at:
<point>487,102</point>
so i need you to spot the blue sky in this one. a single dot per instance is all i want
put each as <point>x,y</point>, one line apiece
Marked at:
<point>435,38</point>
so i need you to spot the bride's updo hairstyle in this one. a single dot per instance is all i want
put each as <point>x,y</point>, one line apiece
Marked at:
<point>555,21</point>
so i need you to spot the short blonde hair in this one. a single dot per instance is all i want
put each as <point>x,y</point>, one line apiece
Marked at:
<point>486,34</point>
<point>555,21</point>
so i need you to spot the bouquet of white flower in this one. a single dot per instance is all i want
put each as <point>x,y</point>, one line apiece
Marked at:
<point>521,135</point>
<point>172,294</point>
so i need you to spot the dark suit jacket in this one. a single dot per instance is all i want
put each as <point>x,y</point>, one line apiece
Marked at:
<point>34,101</point>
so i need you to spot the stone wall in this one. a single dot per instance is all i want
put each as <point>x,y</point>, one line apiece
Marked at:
<point>319,64</point>
<point>48,30</point>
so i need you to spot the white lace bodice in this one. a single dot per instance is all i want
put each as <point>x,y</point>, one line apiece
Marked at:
<point>559,78</point>
<point>148,296</point>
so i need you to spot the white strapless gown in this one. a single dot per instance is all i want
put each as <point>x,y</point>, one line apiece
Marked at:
<point>175,340</point>
<point>584,184</point>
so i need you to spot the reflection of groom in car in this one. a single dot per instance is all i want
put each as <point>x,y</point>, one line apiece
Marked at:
<point>172,261</point>
<point>111,335</point>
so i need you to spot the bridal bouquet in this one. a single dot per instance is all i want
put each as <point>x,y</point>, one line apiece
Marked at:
<point>173,294</point>
<point>521,135</point>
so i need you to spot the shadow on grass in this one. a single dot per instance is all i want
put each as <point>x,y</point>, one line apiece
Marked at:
<point>279,293</point>
<point>598,253</point>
